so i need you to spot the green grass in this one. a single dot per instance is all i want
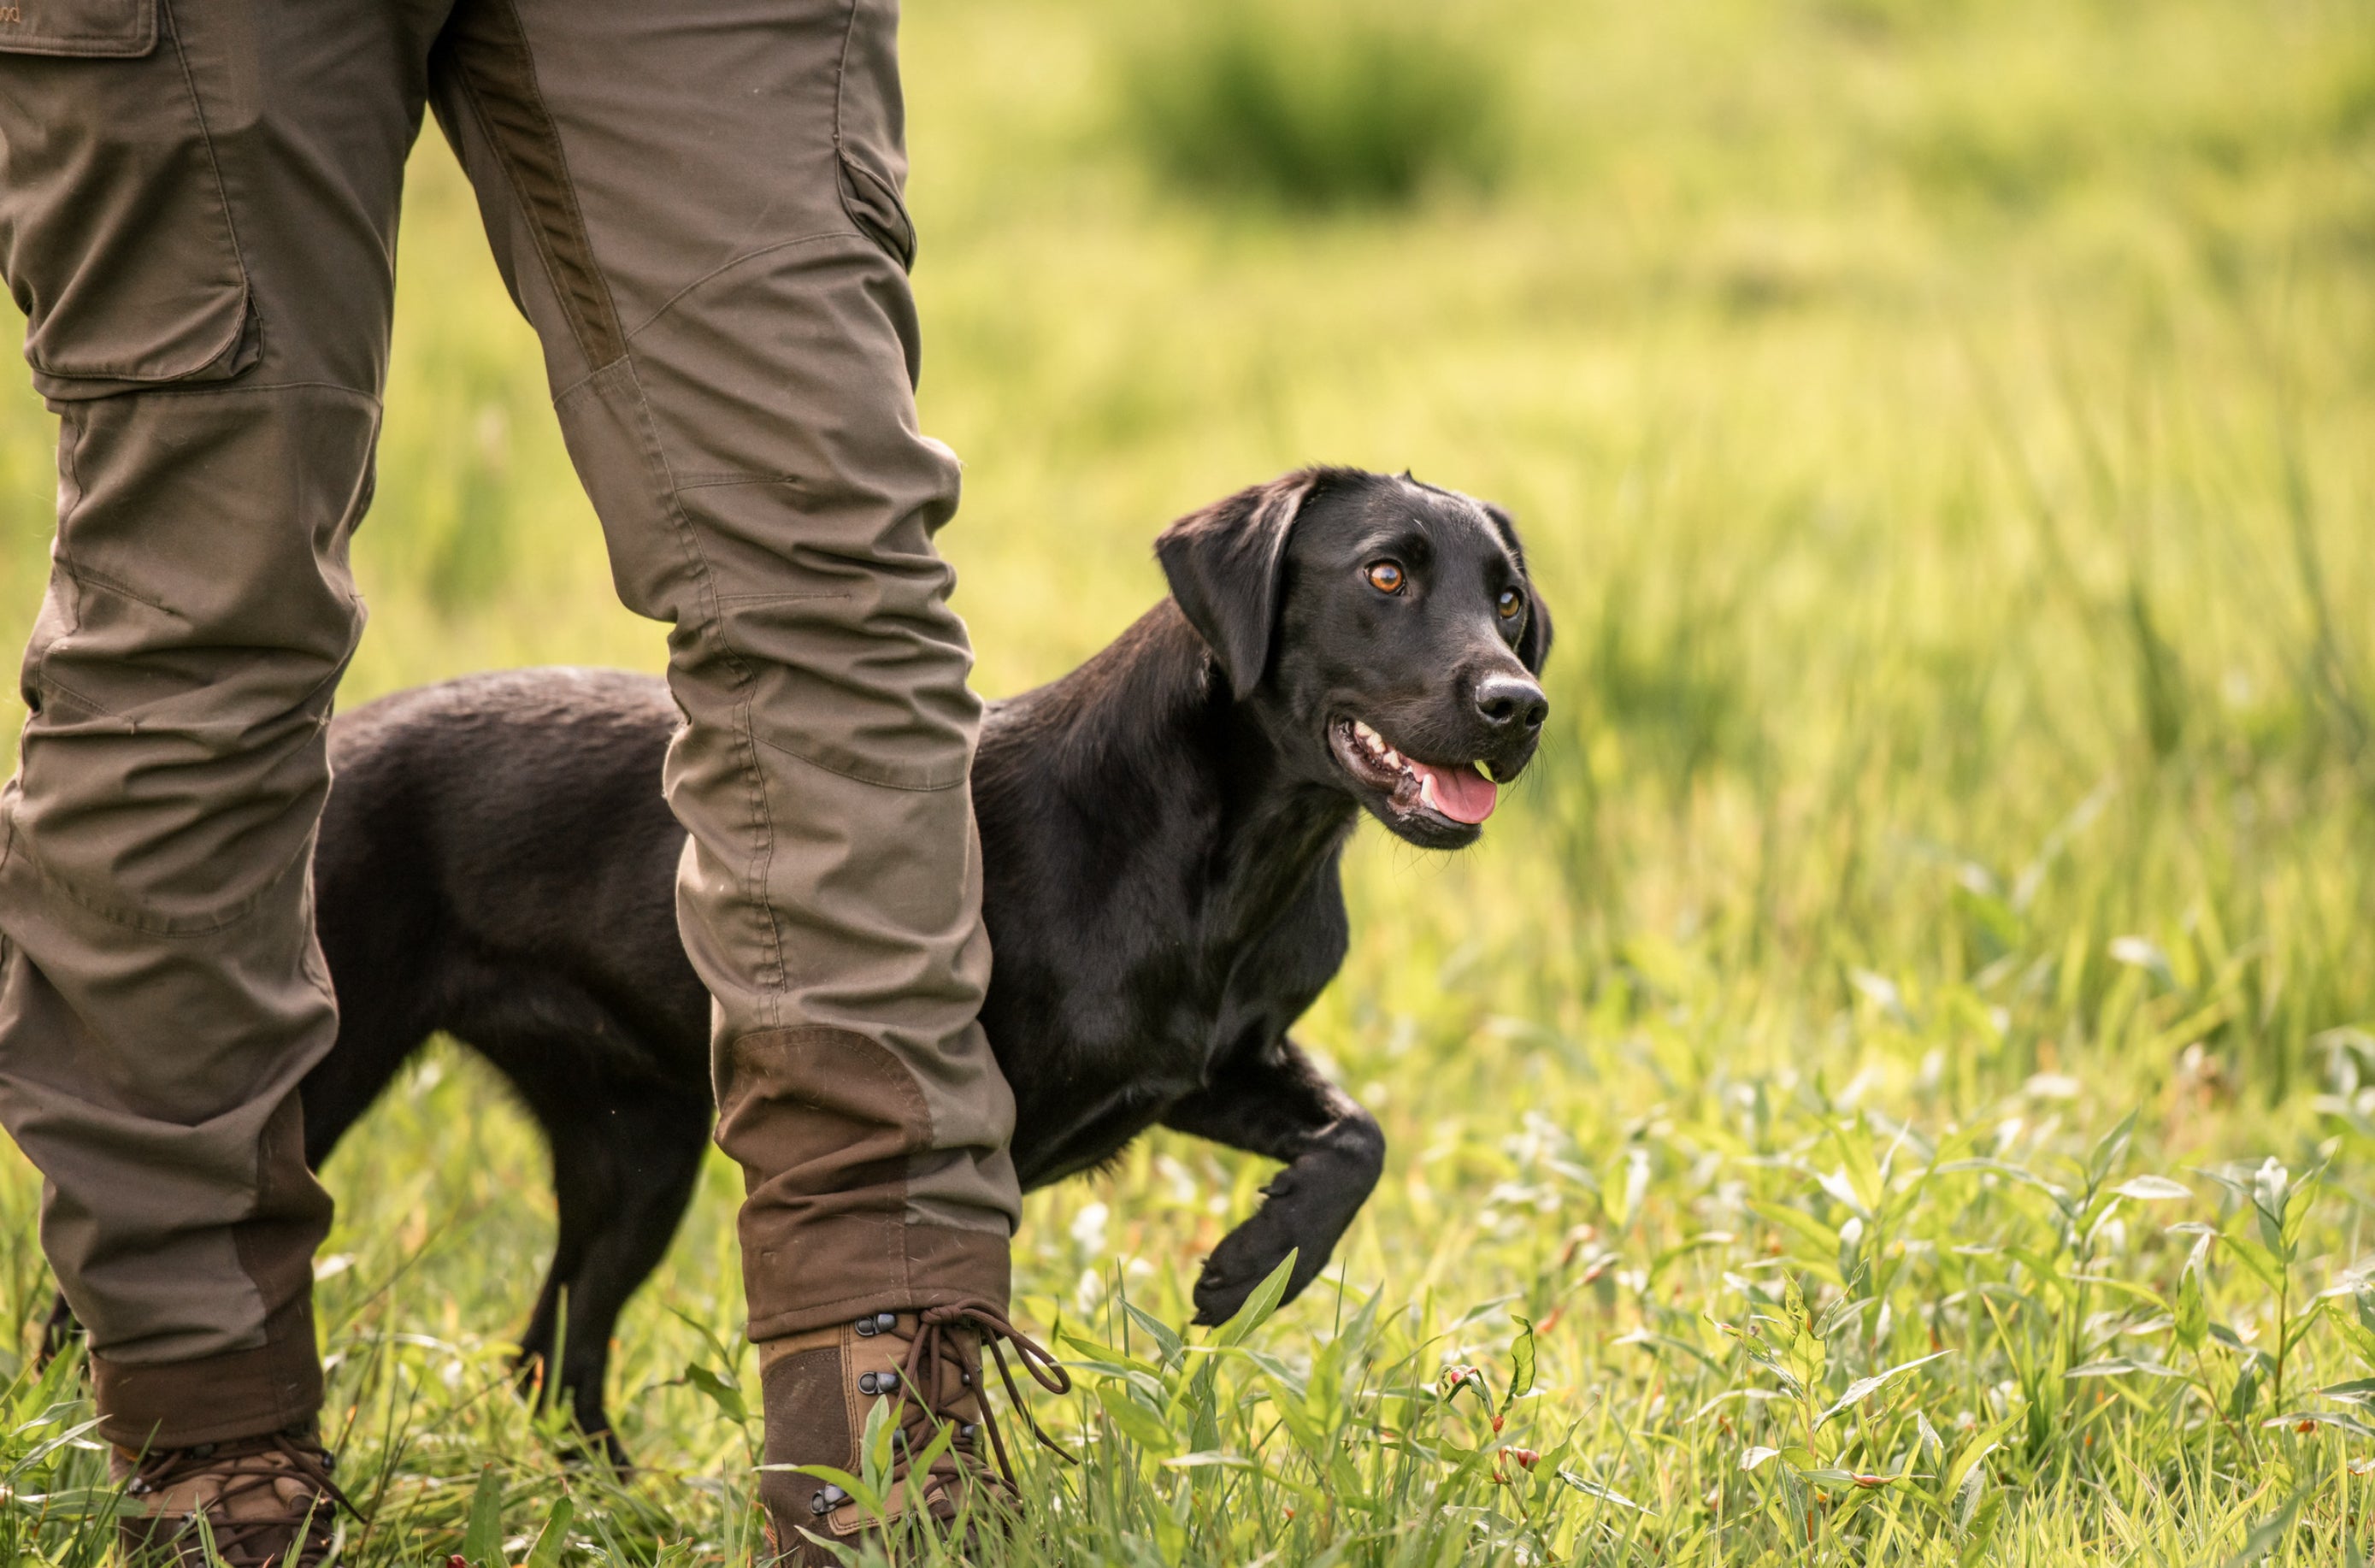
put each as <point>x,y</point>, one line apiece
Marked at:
<point>1946,433</point>
<point>1343,105</point>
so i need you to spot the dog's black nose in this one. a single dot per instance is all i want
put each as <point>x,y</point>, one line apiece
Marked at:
<point>1511,701</point>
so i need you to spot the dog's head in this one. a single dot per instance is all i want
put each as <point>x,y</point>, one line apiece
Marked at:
<point>1383,631</point>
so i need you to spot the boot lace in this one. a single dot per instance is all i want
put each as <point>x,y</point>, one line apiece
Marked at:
<point>939,1370</point>
<point>256,1540</point>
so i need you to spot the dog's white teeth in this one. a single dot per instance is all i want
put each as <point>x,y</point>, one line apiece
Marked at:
<point>1375,744</point>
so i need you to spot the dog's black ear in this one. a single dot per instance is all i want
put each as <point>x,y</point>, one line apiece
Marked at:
<point>1534,641</point>
<point>1224,564</point>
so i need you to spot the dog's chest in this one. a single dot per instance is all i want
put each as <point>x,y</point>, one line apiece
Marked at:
<point>1099,1055</point>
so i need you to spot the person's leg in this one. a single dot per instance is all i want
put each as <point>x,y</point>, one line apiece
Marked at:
<point>698,206</point>
<point>197,210</point>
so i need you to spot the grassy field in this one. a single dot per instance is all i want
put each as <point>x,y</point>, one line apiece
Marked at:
<point>1890,1088</point>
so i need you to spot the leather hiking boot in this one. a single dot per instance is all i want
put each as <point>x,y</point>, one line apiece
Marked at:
<point>820,1389</point>
<point>258,1497</point>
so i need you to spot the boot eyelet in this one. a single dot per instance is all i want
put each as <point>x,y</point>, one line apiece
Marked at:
<point>885,1321</point>
<point>866,1381</point>
<point>865,1329</point>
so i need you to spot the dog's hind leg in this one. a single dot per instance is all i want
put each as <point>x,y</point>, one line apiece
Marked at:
<point>624,1166</point>
<point>372,1047</point>
<point>1279,1104</point>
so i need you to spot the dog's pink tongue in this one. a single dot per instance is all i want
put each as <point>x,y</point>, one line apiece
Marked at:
<point>1461,794</point>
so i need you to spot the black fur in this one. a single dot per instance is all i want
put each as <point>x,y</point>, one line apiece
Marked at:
<point>1160,834</point>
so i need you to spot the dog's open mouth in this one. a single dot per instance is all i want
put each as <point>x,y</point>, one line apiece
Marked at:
<point>1459,793</point>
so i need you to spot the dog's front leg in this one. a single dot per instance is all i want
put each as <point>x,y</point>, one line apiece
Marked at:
<point>1278,1104</point>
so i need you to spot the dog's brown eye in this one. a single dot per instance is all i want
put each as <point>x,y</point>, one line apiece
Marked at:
<point>1386,577</point>
<point>1511,603</point>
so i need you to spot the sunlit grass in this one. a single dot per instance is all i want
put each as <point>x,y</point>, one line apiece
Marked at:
<point>1946,433</point>
<point>1317,108</point>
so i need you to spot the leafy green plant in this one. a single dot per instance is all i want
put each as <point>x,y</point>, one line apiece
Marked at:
<point>56,1505</point>
<point>2274,1209</point>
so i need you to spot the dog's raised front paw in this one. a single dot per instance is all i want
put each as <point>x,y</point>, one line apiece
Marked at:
<point>1246,1256</point>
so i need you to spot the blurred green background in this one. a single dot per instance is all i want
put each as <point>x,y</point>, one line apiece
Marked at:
<point>1944,430</point>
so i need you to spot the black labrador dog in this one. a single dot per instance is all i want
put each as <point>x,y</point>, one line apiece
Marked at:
<point>1160,834</point>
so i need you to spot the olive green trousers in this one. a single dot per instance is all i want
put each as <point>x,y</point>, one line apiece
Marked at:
<point>698,206</point>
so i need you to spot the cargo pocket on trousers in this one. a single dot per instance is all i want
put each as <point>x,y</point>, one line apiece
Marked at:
<point>869,129</point>
<point>876,209</point>
<point>115,235</point>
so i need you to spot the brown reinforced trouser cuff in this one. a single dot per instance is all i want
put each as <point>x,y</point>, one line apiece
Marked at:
<point>929,1266</point>
<point>243,1393</point>
<point>836,1137</point>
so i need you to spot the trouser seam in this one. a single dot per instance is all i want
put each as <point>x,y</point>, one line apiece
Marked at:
<point>84,576</point>
<point>846,168</point>
<point>722,268</point>
<point>247,389</point>
<point>841,78</point>
<point>250,318</point>
<point>583,294</point>
<point>856,777</point>
<point>44,683</point>
<point>713,626</point>
<point>37,676</point>
<point>213,167</point>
